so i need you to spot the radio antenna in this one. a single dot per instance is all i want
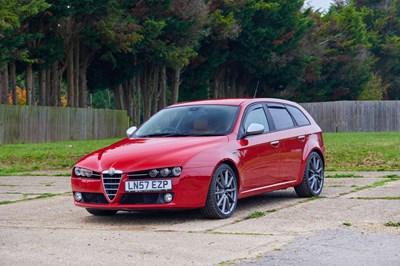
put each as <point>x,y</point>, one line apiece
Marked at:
<point>255,92</point>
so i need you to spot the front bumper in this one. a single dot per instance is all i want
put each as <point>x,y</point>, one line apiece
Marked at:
<point>189,191</point>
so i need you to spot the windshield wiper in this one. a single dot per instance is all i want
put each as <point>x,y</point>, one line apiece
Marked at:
<point>164,134</point>
<point>208,135</point>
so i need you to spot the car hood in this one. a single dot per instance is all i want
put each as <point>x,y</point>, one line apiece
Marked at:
<point>139,154</point>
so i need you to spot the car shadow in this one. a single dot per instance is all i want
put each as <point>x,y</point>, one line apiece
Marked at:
<point>262,202</point>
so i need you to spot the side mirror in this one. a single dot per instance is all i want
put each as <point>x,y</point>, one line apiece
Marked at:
<point>130,131</point>
<point>254,129</point>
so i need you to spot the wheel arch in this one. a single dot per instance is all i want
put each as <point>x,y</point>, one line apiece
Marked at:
<point>234,168</point>
<point>306,155</point>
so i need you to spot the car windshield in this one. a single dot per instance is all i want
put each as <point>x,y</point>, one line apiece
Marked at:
<point>193,120</point>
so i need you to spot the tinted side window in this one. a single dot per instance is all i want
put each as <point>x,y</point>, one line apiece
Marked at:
<point>281,117</point>
<point>298,115</point>
<point>256,116</point>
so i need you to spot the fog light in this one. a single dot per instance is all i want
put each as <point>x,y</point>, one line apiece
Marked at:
<point>153,173</point>
<point>165,172</point>
<point>78,196</point>
<point>177,171</point>
<point>168,197</point>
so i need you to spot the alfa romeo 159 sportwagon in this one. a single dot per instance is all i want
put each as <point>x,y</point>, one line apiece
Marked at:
<point>205,155</point>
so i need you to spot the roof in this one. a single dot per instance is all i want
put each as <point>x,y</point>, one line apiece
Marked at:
<point>232,101</point>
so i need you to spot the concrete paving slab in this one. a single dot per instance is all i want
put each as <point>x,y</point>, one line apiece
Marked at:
<point>335,187</point>
<point>388,190</point>
<point>32,186</point>
<point>119,247</point>
<point>321,214</point>
<point>52,230</point>
<point>335,248</point>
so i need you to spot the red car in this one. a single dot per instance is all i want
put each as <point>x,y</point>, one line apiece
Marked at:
<point>204,154</point>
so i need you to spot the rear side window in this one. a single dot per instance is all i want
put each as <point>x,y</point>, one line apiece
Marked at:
<point>281,117</point>
<point>298,116</point>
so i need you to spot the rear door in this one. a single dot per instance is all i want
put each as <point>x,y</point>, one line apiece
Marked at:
<point>291,140</point>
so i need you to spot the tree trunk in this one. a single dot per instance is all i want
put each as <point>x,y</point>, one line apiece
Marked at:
<point>156,89</point>
<point>138,106</point>
<point>129,97</point>
<point>13,77</point>
<point>163,87</point>
<point>233,86</point>
<point>147,93</point>
<point>70,78</point>
<point>219,84</point>
<point>176,84</point>
<point>49,88</point>
<point>131,90</point>
<point>119,102</point>
<point>55,84</point>
<point>42,87</point>
<point>30,91</point>
<point>83,92</point>
<point>4,85</point>
<point>78,101</point>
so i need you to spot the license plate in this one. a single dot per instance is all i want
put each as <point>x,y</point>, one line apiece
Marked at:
<point>148,185</point>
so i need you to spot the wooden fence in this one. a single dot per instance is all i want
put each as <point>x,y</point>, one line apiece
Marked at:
<point>356,116</point>
<point>35,124</point>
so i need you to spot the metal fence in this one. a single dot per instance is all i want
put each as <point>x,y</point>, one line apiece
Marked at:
<point>35,124</point>
<point>356,116</point>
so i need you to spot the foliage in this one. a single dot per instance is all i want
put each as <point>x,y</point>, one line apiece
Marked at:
<point>373,90</point>
<point>21,96</point>
<point>148,54</point>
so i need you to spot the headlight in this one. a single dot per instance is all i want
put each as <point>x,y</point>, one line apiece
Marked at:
<point>83,172</point>
<point>153,173</point>
<point>165,172</point>
<point>176,171</point>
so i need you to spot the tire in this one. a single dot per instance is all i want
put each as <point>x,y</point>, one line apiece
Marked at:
<point>100,212</point>
<point>313,179</point>
<point>222,193</point>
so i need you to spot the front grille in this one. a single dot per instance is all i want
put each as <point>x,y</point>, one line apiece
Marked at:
<point>142,198</point>
<point>111,184</point>
<point>94,198</point>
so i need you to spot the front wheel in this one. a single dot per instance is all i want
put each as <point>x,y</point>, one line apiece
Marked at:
<point>100,212</point>
<point>222,193</point>
<point>313,179</point>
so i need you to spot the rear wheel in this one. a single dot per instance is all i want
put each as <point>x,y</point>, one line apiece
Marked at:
<point>100,212</point>
<point>313,179</point>
<point>222,193</point>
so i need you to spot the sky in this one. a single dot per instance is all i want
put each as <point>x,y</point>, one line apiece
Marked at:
<point>322,4</point>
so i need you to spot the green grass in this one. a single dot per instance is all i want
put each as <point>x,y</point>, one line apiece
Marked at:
<point>346,223</point>
<point>344,151</point>
<point>32,196</point>
<point>387,179</point>
<point>45,156</point>
<point>255,214</point>
<point>392,224</point>
<point>362,151</point>
<point>343,176</point>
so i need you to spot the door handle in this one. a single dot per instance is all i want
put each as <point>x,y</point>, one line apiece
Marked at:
<point>275,143</point>
<point>301,138</point>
